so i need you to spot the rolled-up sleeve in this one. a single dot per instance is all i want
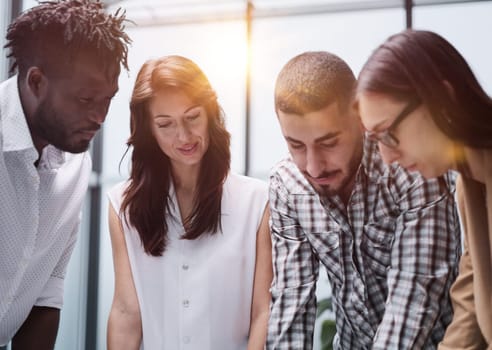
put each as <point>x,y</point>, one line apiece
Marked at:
<point>424,261</point>
<point>52,294</point>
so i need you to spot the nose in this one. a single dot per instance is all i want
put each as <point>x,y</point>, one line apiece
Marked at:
<point>99,111</point>
<point>389,155</point>
<point>183,133</point>
<point>314,163</point>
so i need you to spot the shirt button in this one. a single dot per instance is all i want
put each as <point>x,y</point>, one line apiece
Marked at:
<point>186,339</point>
<point>186,303</point>
<point>185,267</point>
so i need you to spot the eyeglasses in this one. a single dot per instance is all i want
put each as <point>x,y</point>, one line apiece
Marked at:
<point>387,137</point>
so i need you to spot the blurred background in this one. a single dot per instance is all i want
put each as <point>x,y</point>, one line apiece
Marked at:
<point>241,46</point>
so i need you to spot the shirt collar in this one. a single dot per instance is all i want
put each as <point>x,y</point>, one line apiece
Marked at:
<point>51,158</point>
<point>16,134</point>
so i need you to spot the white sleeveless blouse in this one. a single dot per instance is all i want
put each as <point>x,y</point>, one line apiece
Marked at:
<point>198,294</point>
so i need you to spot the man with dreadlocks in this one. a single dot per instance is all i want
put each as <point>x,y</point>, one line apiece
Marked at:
<point>68,55</point>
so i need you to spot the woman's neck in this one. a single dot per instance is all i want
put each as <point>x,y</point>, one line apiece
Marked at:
<point>185,178</point>
<point>185,184</point>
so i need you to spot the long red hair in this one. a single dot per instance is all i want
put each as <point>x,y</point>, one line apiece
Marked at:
<point>146,201</point>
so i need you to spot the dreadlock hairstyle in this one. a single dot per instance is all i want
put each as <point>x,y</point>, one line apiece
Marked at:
<point>146,201</point>
<point>56,32</point>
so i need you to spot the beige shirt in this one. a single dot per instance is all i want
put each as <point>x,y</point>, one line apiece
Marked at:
<point>471,294</point>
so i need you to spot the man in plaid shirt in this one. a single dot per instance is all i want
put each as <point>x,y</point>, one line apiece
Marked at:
<point>389,239</point>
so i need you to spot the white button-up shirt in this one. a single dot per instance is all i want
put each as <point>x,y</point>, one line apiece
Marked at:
<point>198,294</point>
<point>39,215</point>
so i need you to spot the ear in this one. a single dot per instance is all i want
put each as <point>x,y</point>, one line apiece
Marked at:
<point>37,82</point>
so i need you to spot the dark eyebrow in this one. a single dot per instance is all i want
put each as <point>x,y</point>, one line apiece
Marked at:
<point>189,109</point>
<point>328,136</point>
<point>323,138</point>
<point>290,139</point>
<point>168,116</point>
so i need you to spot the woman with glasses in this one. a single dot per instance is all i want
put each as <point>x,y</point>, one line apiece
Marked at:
<point>418,97</point>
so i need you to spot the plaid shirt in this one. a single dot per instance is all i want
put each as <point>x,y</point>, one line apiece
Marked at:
<point>391,255</point>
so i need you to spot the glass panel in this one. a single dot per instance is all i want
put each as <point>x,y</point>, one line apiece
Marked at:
<point>71,333</point>
<point>277,40</point>
<point>106,274</point>
<point>467,27</point>
<point>4,22</point>
<point>159,12</point>
<point>27,4</point>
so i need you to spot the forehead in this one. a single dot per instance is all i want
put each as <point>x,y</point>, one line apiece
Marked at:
<point>89,75</point>
<point>170,102</point>
<point>312,125</point>
<point>377,111</point>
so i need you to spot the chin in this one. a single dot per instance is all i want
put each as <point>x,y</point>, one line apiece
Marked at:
<point>77,148</point>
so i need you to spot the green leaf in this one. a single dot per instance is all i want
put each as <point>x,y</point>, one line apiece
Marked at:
<point>328,331</point>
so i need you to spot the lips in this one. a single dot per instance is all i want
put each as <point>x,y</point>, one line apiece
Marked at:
<point>325,178</point>
<point>89,132</point>
<point>188,149</point>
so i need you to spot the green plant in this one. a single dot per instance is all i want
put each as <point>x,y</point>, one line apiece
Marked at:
<point>328,327</point>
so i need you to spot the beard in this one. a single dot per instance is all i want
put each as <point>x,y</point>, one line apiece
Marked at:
<point>50,126</point>
<point>343,188</point>
<point>338,189</point>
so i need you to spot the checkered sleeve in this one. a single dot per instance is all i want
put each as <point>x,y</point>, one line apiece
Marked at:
<point>295,271</point>
<point>424,261</point>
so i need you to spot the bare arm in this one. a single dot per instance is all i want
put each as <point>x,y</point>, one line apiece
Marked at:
<point>39,330</point>
<point>124,324</point>
<point>261,288</point>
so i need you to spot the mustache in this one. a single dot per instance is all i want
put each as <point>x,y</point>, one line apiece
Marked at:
<point>322,175</point>
<point>94,127</point>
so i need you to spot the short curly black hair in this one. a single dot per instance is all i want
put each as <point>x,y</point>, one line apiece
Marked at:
<point>55,32</point>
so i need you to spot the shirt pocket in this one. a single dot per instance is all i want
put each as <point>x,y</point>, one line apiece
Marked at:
<point>326,245</point>
<point>376,246</point>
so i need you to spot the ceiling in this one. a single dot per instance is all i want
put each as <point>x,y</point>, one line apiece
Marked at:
<point>169,12</point>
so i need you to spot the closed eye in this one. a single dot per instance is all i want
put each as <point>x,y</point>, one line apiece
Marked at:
<point>296,145</point>
<point>329,145</point>
<point>163,125</point>
<point>193,117</point>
